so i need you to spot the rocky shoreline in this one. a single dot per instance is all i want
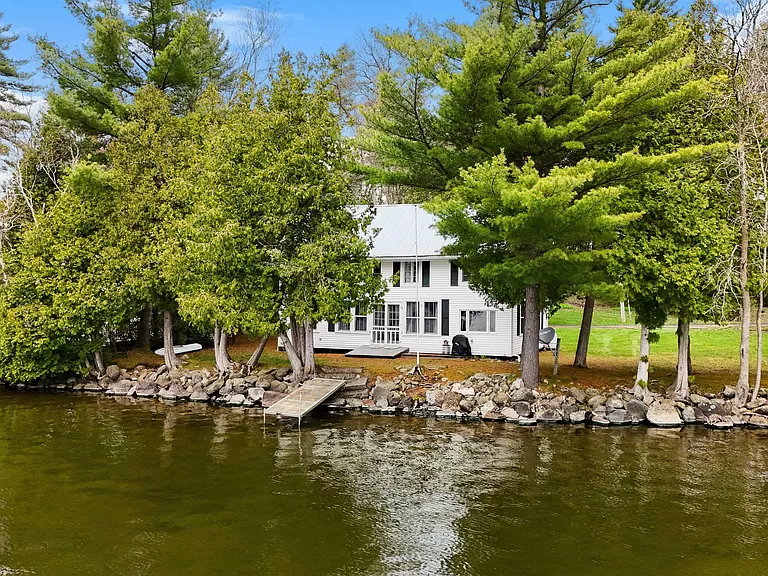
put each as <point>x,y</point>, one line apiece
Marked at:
<point>495,398</point>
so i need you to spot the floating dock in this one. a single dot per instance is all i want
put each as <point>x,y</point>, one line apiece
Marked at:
<point>306,398</point>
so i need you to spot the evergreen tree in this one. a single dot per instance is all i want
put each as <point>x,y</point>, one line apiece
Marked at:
<point>169,44</point>
<point>13,86</point>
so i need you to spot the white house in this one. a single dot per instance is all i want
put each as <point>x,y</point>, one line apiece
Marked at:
<point>430,303</point>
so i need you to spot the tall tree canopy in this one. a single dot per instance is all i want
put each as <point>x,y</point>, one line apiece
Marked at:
<point>13,86</point>
<point>169,44</point>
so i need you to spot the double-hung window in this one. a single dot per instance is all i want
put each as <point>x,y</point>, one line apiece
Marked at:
<point>478,321</point>
<point>409,272</point>
<point>361,321</point>
<point>342,326</point>
<point>430,317</point>
<point>411,317</point>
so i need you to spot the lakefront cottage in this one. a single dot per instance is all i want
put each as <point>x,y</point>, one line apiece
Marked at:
<point>430,300</point>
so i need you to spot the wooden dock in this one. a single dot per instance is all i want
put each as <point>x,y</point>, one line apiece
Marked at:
<point>306,398</point>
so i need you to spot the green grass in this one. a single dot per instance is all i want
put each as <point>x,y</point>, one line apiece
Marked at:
<point>569,315</point>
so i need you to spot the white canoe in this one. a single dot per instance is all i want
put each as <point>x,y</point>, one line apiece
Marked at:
<point>181,349</point>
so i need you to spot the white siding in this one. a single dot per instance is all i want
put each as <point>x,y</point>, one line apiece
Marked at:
<point>503,342</point>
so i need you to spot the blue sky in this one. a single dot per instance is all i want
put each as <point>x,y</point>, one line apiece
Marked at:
<point>309,25</point>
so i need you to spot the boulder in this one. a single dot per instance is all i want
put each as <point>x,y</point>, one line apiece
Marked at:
<point>487,408</point>
<point>281,373</point>
<point>146,389</point>
<point>579,395</point>
<point>619,417</point>
<point>600,420</point>
<point>199,395</point>
<point>356,385</point>
<point>465,391</point>
<point>757,403</point>
<point>178,390</point>
<point>614,403</point>
<point>522,395</point>
<point>239,385</point>
<point>719,422</point>
<point>637,409</point>
<point>236,400</point>
<point>729,392</point>
<point>596,401</point>
<point>523,409</point>
<point>500,399</point>
<point>405,403</point>
<point>577,417</point>
<point>713,408</point>
<point>689,416</point>
<point>663,415</point>
<point>215,386</point>
<point>435,397</point>
<point>466,405</point>
<point>280,387</point>
<point>517,384</point>
<point>697,398</point>
<point>113,372</point>
<point>256,393</point>
<point>451,402</point>
<point>120,388</point>
<point>380,396</point>
<point>93,387</point>
<point>756,421</point>
<point>387,385</point>
<point>166,394</point>
<point>510,415</point>
<point>549,416</point>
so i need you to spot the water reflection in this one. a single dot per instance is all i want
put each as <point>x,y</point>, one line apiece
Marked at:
<point>95,485</point>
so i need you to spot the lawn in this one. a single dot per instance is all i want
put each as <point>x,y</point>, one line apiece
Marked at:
<point>570,315</point>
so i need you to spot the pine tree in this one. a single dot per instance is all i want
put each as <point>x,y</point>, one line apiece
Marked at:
<point>13,86</point>
<point>169,44</point>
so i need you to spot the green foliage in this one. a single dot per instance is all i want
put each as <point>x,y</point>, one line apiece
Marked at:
<point>13,86</point>
<point>66,283</point>
<point>272,236</point>
<point>169,44</point>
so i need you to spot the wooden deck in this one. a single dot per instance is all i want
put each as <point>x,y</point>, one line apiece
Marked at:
<point>303,400</point>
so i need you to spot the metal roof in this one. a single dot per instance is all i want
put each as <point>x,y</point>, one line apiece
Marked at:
<point>395,226</point>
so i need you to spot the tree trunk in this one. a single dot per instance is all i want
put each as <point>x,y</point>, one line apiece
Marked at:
<point>293,357</point>
<point>145,328</point>
<point>171,360</point>
<point>223,362</point>
<point>759,369</point>
<point>681,382</point>
<point>742,385</point>
<point>529,359</point>
<point>254,359</point>
<point>309,346</point>
<point>98,363</point>
<point>641,380</point>
<point>586,326</point>
<point>690,362</point>
<point>297,339</point>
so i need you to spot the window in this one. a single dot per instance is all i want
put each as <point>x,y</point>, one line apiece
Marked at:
<point>378,317</point>
<point>520,319</point>
<point>478,321</point>
<point>411,317</point>
<point>463,276</point>
<point>342,326</point>
<point>331,326</point>
<point>409,272</point>
<point>430,317</point>
<point>361,321</point>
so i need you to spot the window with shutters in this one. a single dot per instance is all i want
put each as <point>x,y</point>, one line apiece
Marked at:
<point>411,317</point>
<point>430,317</point>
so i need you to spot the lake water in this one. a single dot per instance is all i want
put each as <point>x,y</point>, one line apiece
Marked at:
<point>91,485</point>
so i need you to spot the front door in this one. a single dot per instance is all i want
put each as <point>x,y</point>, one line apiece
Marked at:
<point>386,325</point>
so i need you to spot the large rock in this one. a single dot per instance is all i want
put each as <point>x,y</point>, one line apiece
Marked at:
<point>405,403</point>
<point>435,397</point>
<point>487,408</point>
<point>579,395</point>
<point>452,402</point>
<point>637,409</point>
<point>619,417</point>
<point>215,386</point>
<point>179,391</point>
<point>523,409</point>
<point>522,395</point>
<point>199,395</point>
<point>510,414</point>
<point>614,403</point>
<point>467,405</point>
<point>697,398</point>
<point>256,393</point>
<point>239,385</point>
<point>664,415</point>
<point>236,400</point>
<point>500,399</point>
<point>146,389</point>
<point>596,401</point>
<point>729,392</point>
<point>120,388</point>
<point>380,396</point>
<point>113,372</point>
<point>757,421</point>
<point>577,417</point>
<point>712,408</point>
<point>549,416</point>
